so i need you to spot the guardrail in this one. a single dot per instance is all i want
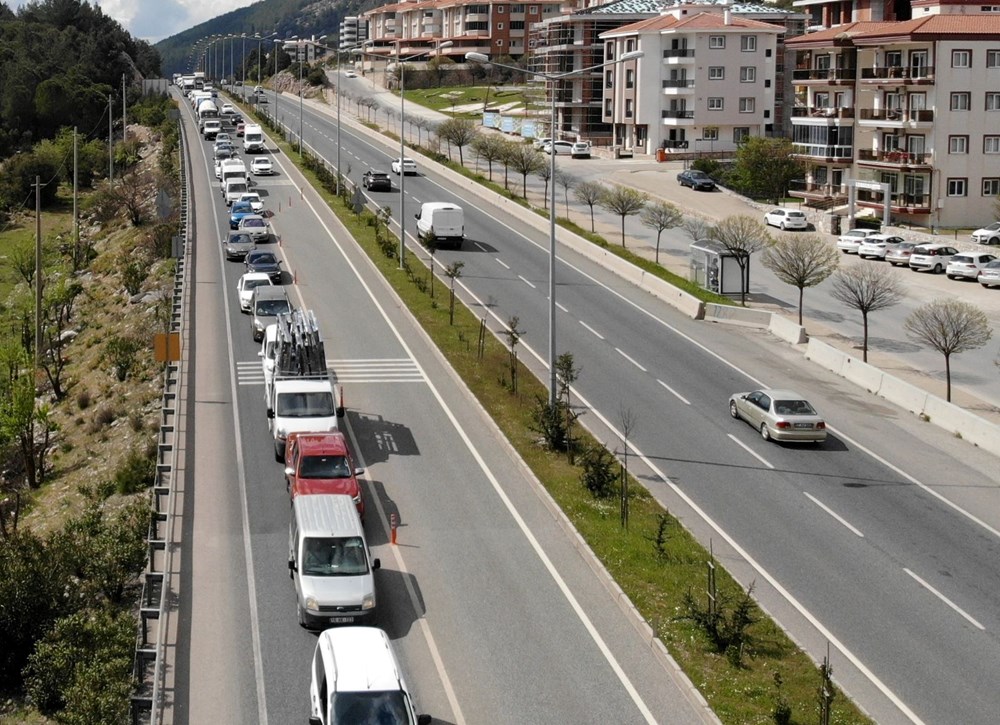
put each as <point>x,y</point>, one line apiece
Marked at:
<point>148,665</point>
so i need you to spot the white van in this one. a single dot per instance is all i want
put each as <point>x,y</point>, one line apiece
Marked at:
<point>211,128</point>
<point>329,561</point>
<point>234,189</point>
<point>355,671</point>
<point>253,138</point>
<point>232,170</point>
<point>446,221</point>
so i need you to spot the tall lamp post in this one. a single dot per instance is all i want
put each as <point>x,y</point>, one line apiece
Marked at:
<point>277,42</point>
<point>303,46</point>
<point>402,136</point>
<point>340,75</point>
<point>553,78</point>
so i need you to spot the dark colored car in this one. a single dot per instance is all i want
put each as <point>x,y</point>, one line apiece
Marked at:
<point>237,211</point>
<point>237,245</point>
<point>697,180</point>
<point>266,262</point>
<point>377,181</point>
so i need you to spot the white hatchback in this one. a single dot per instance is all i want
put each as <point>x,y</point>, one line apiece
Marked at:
<point>850,241</point>
<point>990,234</point>
<point>786,219</point>
<point>933,257</point>
<point>968,265</point>
<point>408,166</point>
<point>246,285</point>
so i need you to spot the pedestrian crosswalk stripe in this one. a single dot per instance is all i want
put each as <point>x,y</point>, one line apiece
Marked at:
<point>353,371</point>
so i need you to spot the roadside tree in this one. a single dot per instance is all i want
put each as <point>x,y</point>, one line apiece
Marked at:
<point>458,132</point>
<point>524,160</point>
<point>567,181</point>
<point>801,260</point>
<point>741,236</point>
<point>764,168</point>
<point>589,193</point>
<point>661,215</point>
<point>488,146</point>
<point>623,201</point>
<point>867,288</point>
<point>949,326</point>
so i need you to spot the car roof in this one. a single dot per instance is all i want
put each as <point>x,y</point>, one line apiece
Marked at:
<point>378,173</point>
<point>362,657</point>
<point>330,443</point>
<point>256,275</point>
<point>274,292</point>
<point>782,394</point>
<point>933,246</point>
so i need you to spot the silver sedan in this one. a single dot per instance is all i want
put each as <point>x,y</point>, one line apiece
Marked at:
<point>779,415</point>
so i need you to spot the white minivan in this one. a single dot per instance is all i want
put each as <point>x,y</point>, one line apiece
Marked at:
<point>329,561</point>
<point>356,679</point>
<point>442,221</point>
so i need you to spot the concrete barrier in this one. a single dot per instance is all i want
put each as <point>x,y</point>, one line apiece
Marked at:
<point>860,373</point>
<point>957,420</point>
<point>737,315</point>
<point>787,330</point>
<point>825,355</point>
<point>903,394</point>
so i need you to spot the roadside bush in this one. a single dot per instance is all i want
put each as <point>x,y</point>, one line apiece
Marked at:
<point>316,77</point>
<point>599,475</point>
<point>137,472</point>
<point>133,275</point>
<point>122,353</point>
<point>18,177</point>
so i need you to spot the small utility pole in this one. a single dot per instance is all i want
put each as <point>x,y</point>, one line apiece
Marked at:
<point>76,218</point>
<point>124,101</point>
<point>38,270</point>
<point>111,141</point>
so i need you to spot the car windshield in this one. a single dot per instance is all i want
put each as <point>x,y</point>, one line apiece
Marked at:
<point>384,708</point>
<point>264,258</point>
<point>336,556</point>
<point>240,239</point>
<point>698,174</point>
<point>793,407</point>
<point>251,284</point>
<point>237,188</point>
<point>241,207</point>
<point>324,467</point>
<point>305,405</point>
<point>251,222</point>
<point>270,308</point>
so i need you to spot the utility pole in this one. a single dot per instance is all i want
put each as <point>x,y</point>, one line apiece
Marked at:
<point>76,218</point>
<point>124,101</point>
<point>38,270</point>
<point>111,141</point>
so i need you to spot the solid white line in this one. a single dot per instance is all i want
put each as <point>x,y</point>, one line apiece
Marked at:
<point>945,599</point>
<point>749,450</point>
<point>830,511</point>
<point>679,396</point>
<point>502,495</point>
<point>526,282</point>
<point>592,330</point>
<point>620,352</point>
<point>502,263</point>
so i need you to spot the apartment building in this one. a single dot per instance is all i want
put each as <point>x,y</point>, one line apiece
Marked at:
<point>911,105</point>
<point>496,28</point>
<point>308,50</point>
<point>705,82</point>
<point>353,31</point>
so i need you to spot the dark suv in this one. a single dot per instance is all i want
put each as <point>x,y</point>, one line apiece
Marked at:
<point>377,181</point>
<point>697,180</point>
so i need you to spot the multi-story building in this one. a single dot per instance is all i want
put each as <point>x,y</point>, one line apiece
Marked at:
<point>911,106</point>
<point>308,50</point>
<point>705,81</point>
<point>353,31</point>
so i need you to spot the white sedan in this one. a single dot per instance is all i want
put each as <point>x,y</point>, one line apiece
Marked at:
<point>261,166</point>
<point>246,285</point>
<point>562,148</point>
<point>786,219</point>
<point>256,203</point>
<point>350,74</point>
<point>850,241</point>
<point>875,246</point>
<point>408,166</point>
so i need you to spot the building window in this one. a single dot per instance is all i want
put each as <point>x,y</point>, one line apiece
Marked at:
<point>748,43</point>
<point>960,101</point>
<point>517,25</point>
<point>630,45</point>
<point>500,25</point>
<point>958,144</point>
<point>628,108</point>
<point>500,9</point>
<point>958,187</point>
<point>716,73</point>
<point>993,58</point>
<point>630,78</point>
<point>608,107</point>
<point>715,104</point>
<point>517,8</point>
<point>711,133</point>
<point>993,101</point>
<point>740,134</point>
<point>533,10</point>
<point>991,144</point>
<point>609,79</point>
<point>499,42</point>
<point>747,105</point>
<point>991,187</point>
<point>717,42</point>
<point>748,74</point>
<point>961,59</point>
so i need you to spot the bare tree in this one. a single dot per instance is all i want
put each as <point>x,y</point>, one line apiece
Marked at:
<point>567,181</point>
<point>949,326</point>
<point>867,288</point>
<point>489,147</point>
<point>623,201</point>
<point>524,160</point>
<point>661,215</point>
<point>741,236</point>
<point>458,132</point>
<point>509,150</point>
<point>589,193</point>
<point>697,227</point>
<point>801,260</point>
<point>545,174</point>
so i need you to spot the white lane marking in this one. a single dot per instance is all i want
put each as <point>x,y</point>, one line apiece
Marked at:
<point>679,396</point>
<point>624,355</point>
<point>835,515</point>
<point>561,307</point>
<point>482,248</point>
<point>945,599</point>
<point>502,495</point>
<point>749,450</point>
<point>502,263</point>
<point>530,284</point>
<point>598,335</point>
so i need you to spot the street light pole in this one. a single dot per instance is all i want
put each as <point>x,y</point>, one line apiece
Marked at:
<point>274,78</point>
<point>553,78</point>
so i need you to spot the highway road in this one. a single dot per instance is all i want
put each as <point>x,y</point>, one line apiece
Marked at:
<point>496,616</point>
<point>882,542</point>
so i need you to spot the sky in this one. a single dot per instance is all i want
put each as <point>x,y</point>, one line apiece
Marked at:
<point>154,20</point>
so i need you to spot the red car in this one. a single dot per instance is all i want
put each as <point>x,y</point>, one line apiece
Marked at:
<point>321,463</point>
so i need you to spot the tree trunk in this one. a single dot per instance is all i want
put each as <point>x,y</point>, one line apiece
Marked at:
<point>658,246</point>
<point>947,377</point>
<point>623,231</point>
<point>864,342</point>
<point>801,293</point>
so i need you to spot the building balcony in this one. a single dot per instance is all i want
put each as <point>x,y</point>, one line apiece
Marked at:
<point>672,88</point>
<point>893,159</point>
<point>899,202</point>
<point>819,152</point>
<point>802,189</point>
<point>830,76</point>
<point>668,115</point>
<point>678,55</point>
<point>476,18</point>
<point>881,116</point>
<point>919,75</point>
<point>822,112</point>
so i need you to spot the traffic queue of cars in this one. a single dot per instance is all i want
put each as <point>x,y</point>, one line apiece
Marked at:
<point>355,675</point>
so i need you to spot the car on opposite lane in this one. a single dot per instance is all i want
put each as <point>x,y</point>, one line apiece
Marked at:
<point>786,219</point>
<point>246,285</point>
<point>408,166</point>
<point>990,234</point>
<point>261,166</point>
<point>266,262</point>
<point>376,180</point>
<point>237,245</point>
<point>931,257</point>
<point>779,415</point>
<point>875,246</point>
<point>968,265</point>
<point>697,180</point>
<point>850,241</point>
<point>350,74</point>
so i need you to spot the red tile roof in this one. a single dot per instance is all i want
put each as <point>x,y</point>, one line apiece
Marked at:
<point>701,21</point>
